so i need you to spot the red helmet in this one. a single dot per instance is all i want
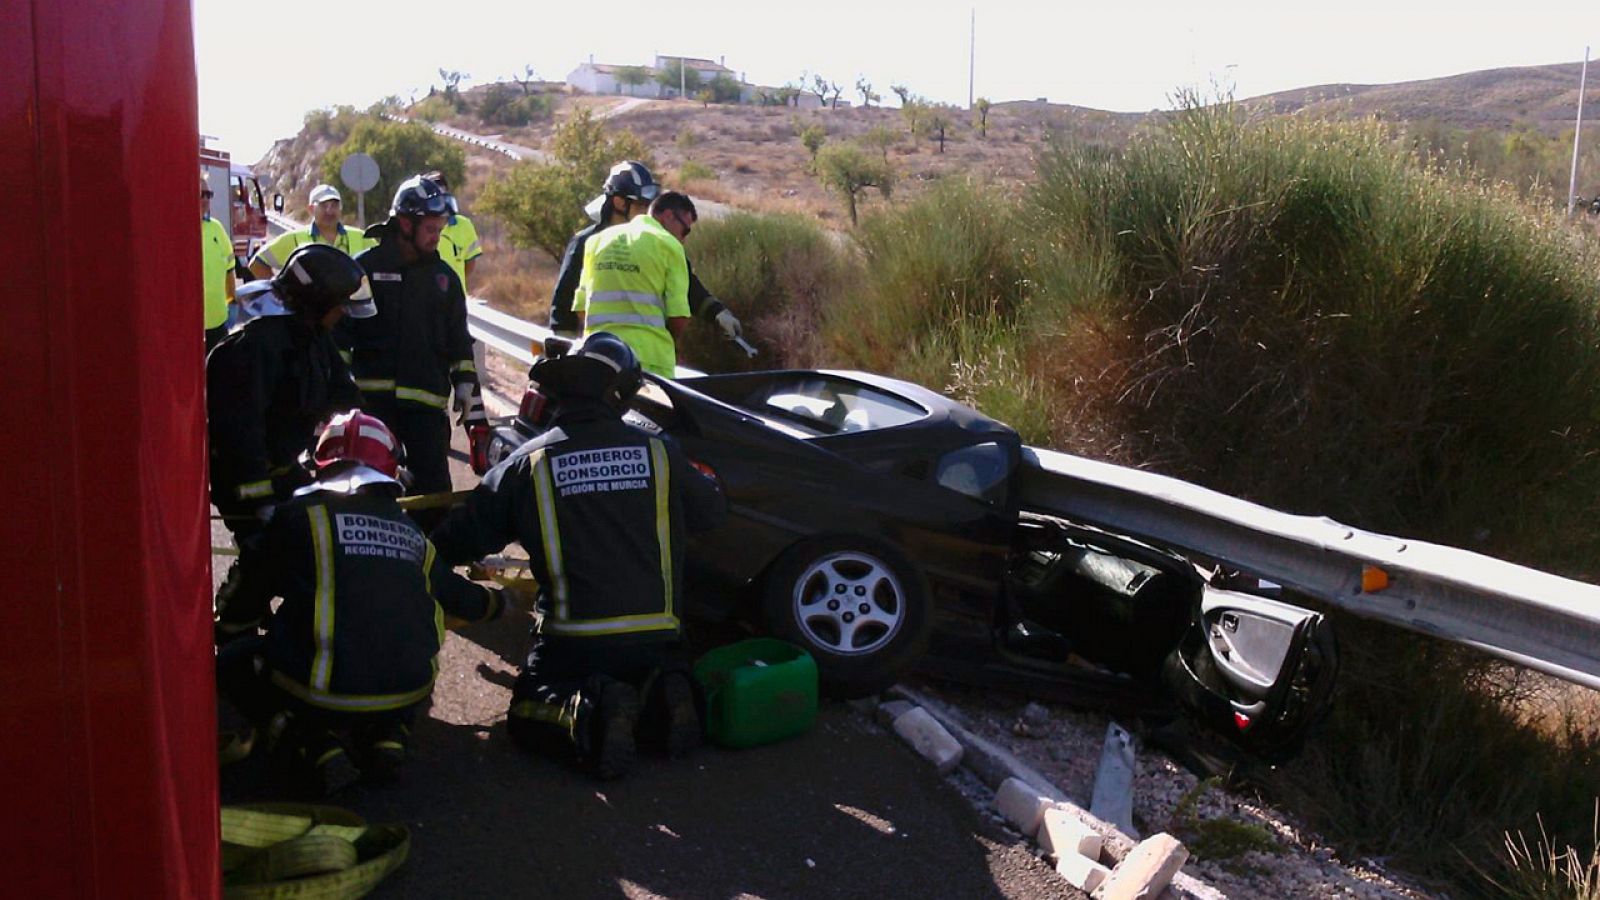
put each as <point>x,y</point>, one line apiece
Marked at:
<point>356,437</point>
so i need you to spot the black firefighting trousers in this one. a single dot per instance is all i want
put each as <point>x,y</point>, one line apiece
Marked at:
<point>555,699</point>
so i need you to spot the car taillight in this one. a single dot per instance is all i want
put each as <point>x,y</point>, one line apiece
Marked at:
<point>533,405</point>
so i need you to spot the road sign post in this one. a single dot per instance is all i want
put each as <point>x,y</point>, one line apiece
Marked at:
<point>359,172</point>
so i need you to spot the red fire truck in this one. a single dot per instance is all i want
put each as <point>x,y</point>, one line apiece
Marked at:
<point>236,200</point>
<point>107,701</point>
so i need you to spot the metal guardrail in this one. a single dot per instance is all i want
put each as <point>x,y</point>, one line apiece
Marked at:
<point>1530,617</point>
<point>505,333</point>
<point>512,151</point>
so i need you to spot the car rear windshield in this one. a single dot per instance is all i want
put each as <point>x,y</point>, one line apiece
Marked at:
<point>835,406</point>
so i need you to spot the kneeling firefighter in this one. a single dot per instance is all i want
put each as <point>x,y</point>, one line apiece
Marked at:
<point>268,385</point>
<point>602,508</point>
<point>351,649</point>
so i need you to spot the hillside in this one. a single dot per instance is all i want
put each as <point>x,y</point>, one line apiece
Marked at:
<point>1544,98</point>
<point>751,157</point>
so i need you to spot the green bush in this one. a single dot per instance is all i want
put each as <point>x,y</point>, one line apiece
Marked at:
<point>435,108</point>
<point>693,170</point>
<point>401,149</point>
<point>937,268</point>
<point>505,105</point>
<point>775,272</point>
<point>540,205</point>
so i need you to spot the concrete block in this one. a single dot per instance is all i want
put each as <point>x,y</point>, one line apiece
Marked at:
<point>1113,781</point>
<point>926,736</point>
<point>1064,834</point>
<point>893,709</point>
<point>1022,804</point>
<point>1082,872</point>
<point>1147,871</point>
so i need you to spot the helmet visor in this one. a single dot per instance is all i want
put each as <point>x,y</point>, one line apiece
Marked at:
<point>360,305</point>
<point>440,204</point>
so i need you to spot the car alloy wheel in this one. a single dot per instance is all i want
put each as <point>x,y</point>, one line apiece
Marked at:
<point>849,603</point>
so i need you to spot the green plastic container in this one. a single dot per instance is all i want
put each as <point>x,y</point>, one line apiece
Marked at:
<point>757,691</point>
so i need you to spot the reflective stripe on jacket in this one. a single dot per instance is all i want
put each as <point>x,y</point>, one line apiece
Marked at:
<point>602,509</point>
<point>364,599</point>
<point>635,277</point>
<point>416,349</point>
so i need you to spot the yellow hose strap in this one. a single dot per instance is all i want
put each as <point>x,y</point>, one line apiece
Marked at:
<point>434,501</point>
<point>278,851</point>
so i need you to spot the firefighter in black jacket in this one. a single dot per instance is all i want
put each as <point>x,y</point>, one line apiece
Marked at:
<point>626,193</point>
<point>415,354</point>
<point>602,508</point>
<point>268,385</point>
<point>365,600</point>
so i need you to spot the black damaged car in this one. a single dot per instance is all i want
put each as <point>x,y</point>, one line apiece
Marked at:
<point>883,526</point>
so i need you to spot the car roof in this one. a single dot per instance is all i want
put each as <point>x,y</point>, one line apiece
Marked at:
<point>944,415</point>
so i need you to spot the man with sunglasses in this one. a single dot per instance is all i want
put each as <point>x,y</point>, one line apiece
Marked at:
<point>626,194</point>
<point>415,354</point>
<point>635,282</point>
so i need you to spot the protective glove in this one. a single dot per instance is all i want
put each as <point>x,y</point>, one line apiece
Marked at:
<point>469,403</point>
<point>478,447</point>
<point>729,323</point>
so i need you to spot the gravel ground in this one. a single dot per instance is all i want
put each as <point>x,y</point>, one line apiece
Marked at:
<point>1065,745</point>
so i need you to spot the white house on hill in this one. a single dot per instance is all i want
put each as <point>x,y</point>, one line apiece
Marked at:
<point>609,78</point>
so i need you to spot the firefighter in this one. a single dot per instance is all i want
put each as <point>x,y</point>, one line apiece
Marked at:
<point>268,385</point>
<point>415,354</point>
<point>635,282</point>
<point>626,194</point>
<point>325,228</point>
<point>602,508</point>
<point>458,243</point>
<point>349,655</point>
<point>216,267</point>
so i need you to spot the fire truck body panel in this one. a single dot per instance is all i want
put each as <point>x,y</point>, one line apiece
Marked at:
<point>108,752</point>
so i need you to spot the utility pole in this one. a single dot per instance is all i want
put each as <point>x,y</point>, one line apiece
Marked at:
<point>1577,131</point>
<point>972,56</point>
<point>683,79</point>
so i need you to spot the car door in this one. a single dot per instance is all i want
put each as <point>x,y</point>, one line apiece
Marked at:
<point>1256,670</point>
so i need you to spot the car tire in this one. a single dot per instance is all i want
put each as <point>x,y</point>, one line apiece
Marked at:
<point>857,605</point>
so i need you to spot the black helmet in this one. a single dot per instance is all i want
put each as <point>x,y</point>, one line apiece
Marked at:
<point>602,368</point>
<point>631,179</point>
<point>419,196</point>
<point>317,277</point>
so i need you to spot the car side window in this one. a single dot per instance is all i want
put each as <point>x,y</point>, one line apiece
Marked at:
<point>979,471</point>
<point>837,406</point>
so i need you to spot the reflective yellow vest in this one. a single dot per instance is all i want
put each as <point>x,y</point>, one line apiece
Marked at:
<point>216,261</point>
<point>459,243</point>
<point>635,277</point>
<point>350,240</point>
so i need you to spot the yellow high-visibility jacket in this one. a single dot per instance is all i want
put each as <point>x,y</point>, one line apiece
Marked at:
<point>274,253</point>
<point>635,278</point>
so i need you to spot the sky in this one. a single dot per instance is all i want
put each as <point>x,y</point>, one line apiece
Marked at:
<point>262,66</point>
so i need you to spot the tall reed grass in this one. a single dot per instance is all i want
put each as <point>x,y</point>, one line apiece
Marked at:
<point>1294,311</point>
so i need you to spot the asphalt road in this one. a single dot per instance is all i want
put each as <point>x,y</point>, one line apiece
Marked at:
<point>845,810</point>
